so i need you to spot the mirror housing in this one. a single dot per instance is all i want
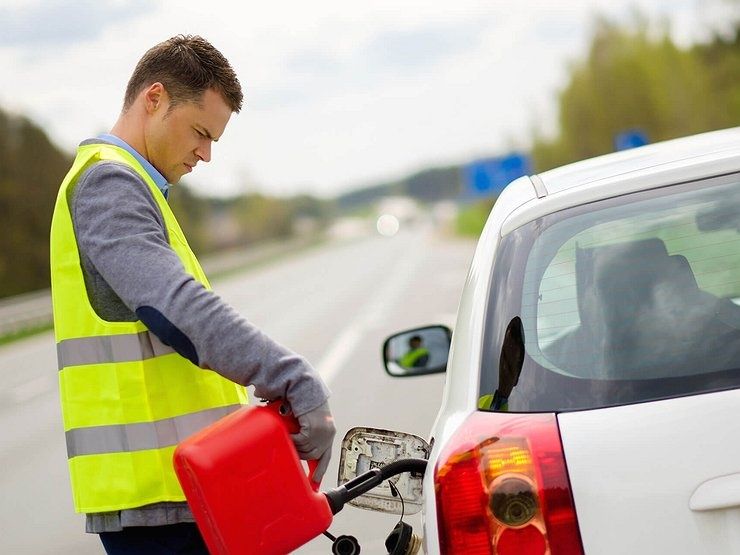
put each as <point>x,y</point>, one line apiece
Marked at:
<point>367,448</point>
<point>417,351</point>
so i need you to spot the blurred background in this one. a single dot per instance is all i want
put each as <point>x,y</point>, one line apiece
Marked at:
<point>343,203</point>
<point>346,106</point>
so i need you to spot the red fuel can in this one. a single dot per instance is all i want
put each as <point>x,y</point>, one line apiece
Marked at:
<point>246,486</point>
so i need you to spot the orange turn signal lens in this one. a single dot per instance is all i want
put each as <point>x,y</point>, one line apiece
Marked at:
<point>506,456</point>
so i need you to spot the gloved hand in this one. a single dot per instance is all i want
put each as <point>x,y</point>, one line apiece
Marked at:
<point>314,441</point>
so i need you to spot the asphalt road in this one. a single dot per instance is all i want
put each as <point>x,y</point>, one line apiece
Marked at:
<point>335,305</point>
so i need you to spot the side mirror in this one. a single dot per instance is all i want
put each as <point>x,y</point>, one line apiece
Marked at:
<point>418,351</point>
<point>367,448</point>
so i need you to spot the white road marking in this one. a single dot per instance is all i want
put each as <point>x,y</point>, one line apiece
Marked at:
<point>369,315</point>
<point>339,352</point>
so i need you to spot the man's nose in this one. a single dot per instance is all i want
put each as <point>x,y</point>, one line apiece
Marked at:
<point>204,151</point>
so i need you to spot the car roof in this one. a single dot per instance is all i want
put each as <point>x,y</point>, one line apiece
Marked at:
<point>604,168</point>
<point>647,167</point>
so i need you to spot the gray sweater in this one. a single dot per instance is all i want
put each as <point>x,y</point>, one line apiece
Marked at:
<point>131,273</point>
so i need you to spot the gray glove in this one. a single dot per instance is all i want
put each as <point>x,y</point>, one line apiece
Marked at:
<point>314,441</point>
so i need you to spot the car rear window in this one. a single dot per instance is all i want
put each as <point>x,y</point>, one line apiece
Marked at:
<point>630,299</point>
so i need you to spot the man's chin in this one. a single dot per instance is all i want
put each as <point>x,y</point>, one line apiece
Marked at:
<point>174,179</point>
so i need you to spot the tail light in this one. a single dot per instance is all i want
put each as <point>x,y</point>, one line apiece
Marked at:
<point>502,488</point>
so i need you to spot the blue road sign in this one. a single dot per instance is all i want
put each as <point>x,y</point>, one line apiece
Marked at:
<point>488,177</point>
<point>630,139</point>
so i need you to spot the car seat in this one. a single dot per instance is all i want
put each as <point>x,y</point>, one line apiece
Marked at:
<point>640,306</point>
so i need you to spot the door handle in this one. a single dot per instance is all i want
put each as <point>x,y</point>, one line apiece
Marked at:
<point>718,493</point>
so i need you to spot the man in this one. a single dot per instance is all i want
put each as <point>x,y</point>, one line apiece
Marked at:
<point>148,354</point>
<point>417,355</point>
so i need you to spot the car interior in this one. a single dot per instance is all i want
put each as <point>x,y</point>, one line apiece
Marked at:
<point>642,315</point>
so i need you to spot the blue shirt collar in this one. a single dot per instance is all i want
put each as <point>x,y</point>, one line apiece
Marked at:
<point>159,180</point>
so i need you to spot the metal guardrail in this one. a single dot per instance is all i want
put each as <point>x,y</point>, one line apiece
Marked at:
<point>33,310</point>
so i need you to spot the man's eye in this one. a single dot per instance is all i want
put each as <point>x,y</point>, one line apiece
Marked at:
<point>201,134</point>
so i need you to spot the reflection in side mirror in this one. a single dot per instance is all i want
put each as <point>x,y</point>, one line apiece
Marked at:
<point>417,351</point>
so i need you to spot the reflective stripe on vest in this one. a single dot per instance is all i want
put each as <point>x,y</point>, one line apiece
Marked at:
<point>409,359</point>
<point>120,438</point>
<point>127,398</point>
<point>110,348</point>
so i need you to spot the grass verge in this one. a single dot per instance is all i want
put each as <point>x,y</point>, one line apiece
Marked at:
<point>28,332</point>
<point>472,217</point>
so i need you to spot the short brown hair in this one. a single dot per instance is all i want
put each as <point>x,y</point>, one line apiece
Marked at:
<point>187,66</point>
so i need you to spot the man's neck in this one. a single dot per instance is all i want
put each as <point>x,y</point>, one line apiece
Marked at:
<point>132,134</point>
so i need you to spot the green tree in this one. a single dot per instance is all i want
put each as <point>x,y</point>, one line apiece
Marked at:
<point>722,55</point>
<point>635,78</point>
<point>31,169</point>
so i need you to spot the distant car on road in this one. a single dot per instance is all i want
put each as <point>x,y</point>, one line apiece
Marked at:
<point>592,402</point>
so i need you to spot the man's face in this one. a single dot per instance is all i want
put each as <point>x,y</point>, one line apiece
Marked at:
<point>177,139</point>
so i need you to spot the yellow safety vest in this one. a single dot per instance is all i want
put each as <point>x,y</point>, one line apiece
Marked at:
<point>409,359</point>
<point>127,399</point>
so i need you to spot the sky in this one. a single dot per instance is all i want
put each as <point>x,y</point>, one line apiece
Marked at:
<point>339,94</point>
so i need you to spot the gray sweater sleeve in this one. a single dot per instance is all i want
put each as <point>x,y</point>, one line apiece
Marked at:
<point>121,234</point>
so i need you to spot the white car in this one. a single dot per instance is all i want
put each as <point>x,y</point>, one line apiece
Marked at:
<point>592,402</point>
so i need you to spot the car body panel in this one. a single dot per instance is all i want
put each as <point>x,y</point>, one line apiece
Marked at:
<point>634,469</point>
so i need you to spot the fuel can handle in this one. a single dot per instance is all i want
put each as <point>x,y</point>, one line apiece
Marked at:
<point>282,409</point>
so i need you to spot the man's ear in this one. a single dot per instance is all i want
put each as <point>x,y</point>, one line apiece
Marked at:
<point>155,98</point>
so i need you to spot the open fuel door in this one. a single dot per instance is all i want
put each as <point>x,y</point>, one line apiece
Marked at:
<point>366,448</point>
